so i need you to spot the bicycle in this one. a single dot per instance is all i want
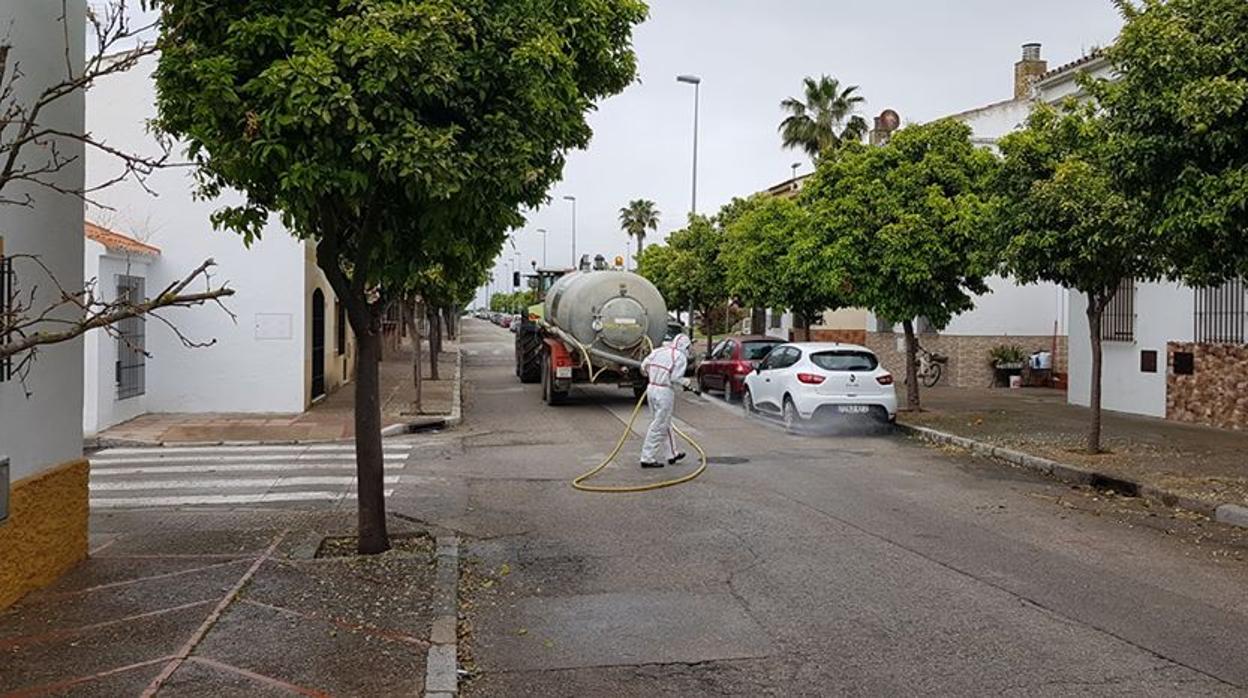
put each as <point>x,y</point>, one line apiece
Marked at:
<point>931,366</point>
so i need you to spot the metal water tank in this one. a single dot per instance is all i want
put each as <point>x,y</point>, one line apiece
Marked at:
<point>615,309</point>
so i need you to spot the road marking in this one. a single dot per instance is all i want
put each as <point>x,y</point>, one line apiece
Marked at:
<point>258,458</point>
<point>192,500</point>
<point>242,483</point>
<point>114,471</point>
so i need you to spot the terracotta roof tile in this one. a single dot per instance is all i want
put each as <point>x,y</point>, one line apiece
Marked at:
<point>1092,56</point>
<point>114,241</point>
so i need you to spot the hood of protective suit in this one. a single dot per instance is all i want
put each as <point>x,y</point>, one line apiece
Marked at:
<point>681,342</point>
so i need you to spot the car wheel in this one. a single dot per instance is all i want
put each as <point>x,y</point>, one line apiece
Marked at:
<point>791,418</point>
<point>729,394</point>
<point>747,403</point>
<point>701,384</point>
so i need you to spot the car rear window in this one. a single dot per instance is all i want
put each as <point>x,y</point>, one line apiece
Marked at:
<point>845,360</point>
<point>755,351</point>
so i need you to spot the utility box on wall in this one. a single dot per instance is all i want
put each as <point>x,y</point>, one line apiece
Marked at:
<point>4,490</point>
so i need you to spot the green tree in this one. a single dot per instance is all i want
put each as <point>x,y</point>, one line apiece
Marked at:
<point>1177,113</point>
<point>773,257</point>
<point>689,270</point>
<point>388,131</point>
<point>823,117</point>
<point>1061,218</point>
<point>636,218</point>
<point>903,224</point>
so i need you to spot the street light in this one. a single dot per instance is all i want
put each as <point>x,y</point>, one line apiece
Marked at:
<point>543,232</point>
<point>697,84</point>
<point>573,200</point>
<point>693,208</point>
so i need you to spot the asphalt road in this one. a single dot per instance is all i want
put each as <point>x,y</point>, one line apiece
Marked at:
<point>800,565</point>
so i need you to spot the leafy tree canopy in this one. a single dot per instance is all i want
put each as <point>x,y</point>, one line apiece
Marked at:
<point>1059,213</point>
<point>389,127</point>
<point>773,257</point>
<point>1178,114</point>
<point>904,222</point>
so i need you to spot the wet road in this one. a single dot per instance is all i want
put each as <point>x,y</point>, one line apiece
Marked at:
<point>799,565</point>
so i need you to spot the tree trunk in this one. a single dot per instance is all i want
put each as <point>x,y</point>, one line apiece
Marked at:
<point>1096,307</point>
<point>912,367</point>
<point>370,474</point>
<point>448,317</point>
<point>412,315</point>
<point>709,327</point>
<point>435,342</point>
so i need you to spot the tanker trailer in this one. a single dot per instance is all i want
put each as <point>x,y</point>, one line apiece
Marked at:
<point>593,326</point>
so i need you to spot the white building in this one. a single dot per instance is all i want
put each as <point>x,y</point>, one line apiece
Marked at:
<point>282,353</point>
<point>43,477</point>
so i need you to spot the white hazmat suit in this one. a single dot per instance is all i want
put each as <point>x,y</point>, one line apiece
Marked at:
<point>665,369</point>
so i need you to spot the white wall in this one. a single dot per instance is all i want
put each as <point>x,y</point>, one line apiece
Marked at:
<point>101,408</point>
<point>45,429</point>
<point>257,363</point>
<point>1163,313</point>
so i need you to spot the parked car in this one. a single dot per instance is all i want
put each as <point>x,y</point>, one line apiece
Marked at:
<point>800,381</point>
<point>514,324</point>
<point>504,321</point>
<point>731,361</point>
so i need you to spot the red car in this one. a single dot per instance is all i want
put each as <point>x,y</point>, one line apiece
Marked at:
<point>731,361</point>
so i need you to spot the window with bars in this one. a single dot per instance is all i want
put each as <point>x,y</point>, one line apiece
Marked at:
<point>131,367</point>
<point>1118,319</point>
<point>8,296</point>
<point>777,314</point>
<point>1222,313</point>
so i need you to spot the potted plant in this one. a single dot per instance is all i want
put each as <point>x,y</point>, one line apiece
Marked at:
<point>1007,360</point>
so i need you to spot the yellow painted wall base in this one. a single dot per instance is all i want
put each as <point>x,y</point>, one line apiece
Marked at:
<point>46,532</point>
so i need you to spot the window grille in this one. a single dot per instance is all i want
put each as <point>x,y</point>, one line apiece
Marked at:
<point>8,297</point>
<point>777,314</point>
<point>1221,313</point>
<point>131,367</point>
<point>1118,319</point>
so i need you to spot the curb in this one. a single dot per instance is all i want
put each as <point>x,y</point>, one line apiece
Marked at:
<point>1232,514</point>
<point>442,661</point>
<point>437,421</point>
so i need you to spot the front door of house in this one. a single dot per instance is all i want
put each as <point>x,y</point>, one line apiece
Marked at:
<point>318,344</point>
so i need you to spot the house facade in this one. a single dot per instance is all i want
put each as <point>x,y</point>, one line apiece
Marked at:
<point>279,347</point>
<point>43,476</point>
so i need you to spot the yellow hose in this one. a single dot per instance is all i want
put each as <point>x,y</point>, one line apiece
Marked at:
<point>579,482</point>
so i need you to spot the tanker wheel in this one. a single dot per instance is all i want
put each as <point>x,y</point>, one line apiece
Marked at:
<point>529,352</point>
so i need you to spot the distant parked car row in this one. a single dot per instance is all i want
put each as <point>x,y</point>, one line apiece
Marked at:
<point>799,381</point>
<point>509,321</point>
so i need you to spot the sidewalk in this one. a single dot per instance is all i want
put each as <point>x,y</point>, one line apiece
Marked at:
<point>330,419</point>
<point>228,603</point>
<point>1199,463</point>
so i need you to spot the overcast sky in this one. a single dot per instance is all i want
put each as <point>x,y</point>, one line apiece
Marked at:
<point>922,58</point>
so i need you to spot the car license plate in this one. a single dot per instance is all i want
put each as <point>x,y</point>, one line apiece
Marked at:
<point>563,372</point>
<point>853,409</point>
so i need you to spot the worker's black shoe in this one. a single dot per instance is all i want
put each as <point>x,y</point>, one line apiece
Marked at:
<point>680,455</point>
<point>651,465</point>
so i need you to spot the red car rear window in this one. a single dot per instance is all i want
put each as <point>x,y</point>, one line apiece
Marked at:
<point>756,351</point>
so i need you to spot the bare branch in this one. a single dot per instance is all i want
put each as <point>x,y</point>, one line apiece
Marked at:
<point>23,329</point>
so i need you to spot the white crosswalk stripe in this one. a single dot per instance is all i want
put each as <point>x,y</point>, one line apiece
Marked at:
<point>187,476</point>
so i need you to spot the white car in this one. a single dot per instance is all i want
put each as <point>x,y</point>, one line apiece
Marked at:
<point>803,380</point>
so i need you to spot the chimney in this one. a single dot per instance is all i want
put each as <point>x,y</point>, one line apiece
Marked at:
<point>1028,70</point>
<point>887,122</point>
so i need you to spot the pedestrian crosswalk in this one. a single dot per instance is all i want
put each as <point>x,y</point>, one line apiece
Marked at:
<point>187,476</point>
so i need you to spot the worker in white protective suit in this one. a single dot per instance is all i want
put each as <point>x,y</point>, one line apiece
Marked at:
<point>665,369</point>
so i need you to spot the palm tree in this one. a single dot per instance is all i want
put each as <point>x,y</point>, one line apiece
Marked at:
<point>824,119</point>
<point>637,217</point>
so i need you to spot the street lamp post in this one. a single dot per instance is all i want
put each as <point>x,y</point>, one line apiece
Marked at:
<point>693,207</point>
<point>543,233</point>
<point>573,200</point>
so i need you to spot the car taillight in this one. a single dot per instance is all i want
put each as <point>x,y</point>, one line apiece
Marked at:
<point>744,368</point>
<point>886,379</point>
<point>810,378</point>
